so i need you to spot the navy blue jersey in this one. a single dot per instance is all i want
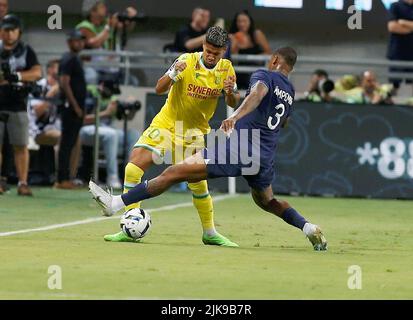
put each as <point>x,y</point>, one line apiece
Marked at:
<point>237,156</point>
<point>271,112</point>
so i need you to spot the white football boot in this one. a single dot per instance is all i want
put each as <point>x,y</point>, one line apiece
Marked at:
<point>316,237</point>
<point>103,198</point>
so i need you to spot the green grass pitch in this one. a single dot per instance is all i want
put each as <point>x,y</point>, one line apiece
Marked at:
<point>275,261</point>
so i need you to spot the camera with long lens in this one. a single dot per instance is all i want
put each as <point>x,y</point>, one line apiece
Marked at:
<point>35,90</point>
<point>127,109</point>
<point>5,56</point>
<point>22,89</point>
<point>123,17</point>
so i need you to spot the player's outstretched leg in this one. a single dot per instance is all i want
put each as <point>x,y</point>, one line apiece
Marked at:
<point>140,160</point>
<point>266,201</point>
<point>192,170</point>
<point>203,203</point>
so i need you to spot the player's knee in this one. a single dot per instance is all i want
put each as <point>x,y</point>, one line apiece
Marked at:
<point>281,205</point>
<point>271,204</point>
<point>260,200</point>
<point>141,157</point>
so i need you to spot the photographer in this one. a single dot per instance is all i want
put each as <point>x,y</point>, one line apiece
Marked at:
<point>110,138</point>
<point>101,31</point>
<point>19,66</point>
<point>317,79</point>
<point>370,91</point>
<point>321,88</point>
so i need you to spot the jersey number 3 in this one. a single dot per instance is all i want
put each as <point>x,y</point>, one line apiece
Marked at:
<point>280,112</point>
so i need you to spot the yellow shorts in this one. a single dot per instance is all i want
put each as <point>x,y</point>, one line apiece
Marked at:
<point>168,146</point>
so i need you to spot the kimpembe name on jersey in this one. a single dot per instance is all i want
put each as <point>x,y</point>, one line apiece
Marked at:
<point>283,95</point>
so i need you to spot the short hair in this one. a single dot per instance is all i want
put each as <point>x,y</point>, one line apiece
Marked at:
<point>321,73</point>
<point>90,5</point>
<point>289,55</point>
<point>200,9</point>
<point>50,63</point>
<point>217,36</point>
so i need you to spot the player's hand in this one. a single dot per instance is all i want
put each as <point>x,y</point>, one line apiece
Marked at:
<point>229,84</point>
<point>228,125</point>
<point>180,66</point>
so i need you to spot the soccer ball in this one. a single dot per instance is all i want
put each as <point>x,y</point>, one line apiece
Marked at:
<point>135,223</point>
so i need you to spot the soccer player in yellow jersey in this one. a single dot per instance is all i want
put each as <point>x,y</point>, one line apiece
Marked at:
<point>195,82</point>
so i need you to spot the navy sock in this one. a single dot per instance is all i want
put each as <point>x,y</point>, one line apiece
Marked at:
<point>136,194</point>
<point>292,217</point>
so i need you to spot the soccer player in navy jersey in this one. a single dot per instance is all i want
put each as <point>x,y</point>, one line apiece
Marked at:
<point>253,129</point>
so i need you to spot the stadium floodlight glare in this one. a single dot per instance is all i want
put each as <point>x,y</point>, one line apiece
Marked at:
<point>334,4</point>
<point>290,4</point>
<point>364,5</point>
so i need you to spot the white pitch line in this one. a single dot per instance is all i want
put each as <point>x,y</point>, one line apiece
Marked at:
<point>88,297</point>
<point>91,220</point>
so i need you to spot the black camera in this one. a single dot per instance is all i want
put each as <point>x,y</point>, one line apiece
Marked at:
<point>5,64</point>
<point>127,110</point>
<point>123,17</point>
<point>35,90</point>
<point>23,90</point>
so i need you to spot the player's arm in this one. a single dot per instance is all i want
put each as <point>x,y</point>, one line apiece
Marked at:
<point>232,95</point>
<point>250,103</point>
<point>166,81</point>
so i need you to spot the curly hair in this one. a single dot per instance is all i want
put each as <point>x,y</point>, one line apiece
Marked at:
<point>217,36</point>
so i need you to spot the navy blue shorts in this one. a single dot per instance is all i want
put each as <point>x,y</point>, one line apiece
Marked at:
<point>218,169</point>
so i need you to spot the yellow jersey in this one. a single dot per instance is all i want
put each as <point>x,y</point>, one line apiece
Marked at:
<point>194,95</point>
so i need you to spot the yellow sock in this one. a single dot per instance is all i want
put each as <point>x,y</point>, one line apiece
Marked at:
<point>203,203</point>
<point>133,176</point>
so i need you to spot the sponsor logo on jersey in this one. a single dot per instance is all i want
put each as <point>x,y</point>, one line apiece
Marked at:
<point>201,92</point>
